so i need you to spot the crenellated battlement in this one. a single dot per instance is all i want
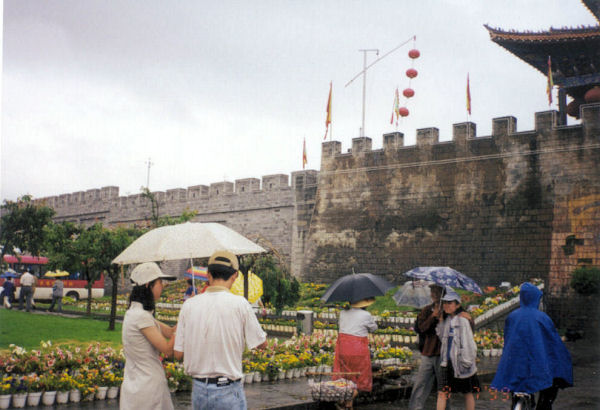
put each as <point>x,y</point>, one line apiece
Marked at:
<point>507,205</point>
<point>466,142</point>
<point>271,185</point>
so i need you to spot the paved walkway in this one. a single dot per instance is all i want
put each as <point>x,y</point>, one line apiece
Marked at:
<point>294,394</point>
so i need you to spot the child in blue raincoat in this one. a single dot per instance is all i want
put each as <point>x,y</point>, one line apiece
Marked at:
<point>534,357</point>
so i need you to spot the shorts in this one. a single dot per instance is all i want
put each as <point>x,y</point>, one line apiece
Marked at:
<point>451,384</point>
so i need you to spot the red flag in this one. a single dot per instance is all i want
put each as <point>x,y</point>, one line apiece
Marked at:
<point>328,119</point>
<point>468,96</point>
<point>550,82</point>
<point>304,159</point>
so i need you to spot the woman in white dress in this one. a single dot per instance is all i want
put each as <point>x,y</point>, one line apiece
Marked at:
<point>144,338</point>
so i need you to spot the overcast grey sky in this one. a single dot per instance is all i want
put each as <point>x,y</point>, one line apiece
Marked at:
<point>213,90</point>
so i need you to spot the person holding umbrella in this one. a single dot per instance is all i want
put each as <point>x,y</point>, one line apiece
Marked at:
<point>214,329</point>
<point>429,346</point>
<point>144,382</point>
<point>352,354</point>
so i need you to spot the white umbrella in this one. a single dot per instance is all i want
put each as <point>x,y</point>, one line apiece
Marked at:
<point>185,241</point>
<point>414,293</point>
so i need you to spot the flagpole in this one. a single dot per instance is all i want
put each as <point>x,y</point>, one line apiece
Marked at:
<point>364,74</point>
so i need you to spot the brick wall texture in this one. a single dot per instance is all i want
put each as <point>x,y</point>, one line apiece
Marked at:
<point>506,207</point>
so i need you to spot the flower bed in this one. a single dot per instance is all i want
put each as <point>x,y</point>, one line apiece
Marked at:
<point>88,370</point>
<point>489,342</point>
<point>60,369</point>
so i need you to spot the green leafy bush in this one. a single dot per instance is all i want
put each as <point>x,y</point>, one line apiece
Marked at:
<point>586,280</point>
<point>280,288</point>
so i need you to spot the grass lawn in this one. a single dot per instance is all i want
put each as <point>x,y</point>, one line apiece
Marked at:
<point>29,329</point>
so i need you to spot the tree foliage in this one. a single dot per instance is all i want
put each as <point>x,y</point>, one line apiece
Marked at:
<point>89,251</point>
<point>22,226</point>
<point>279,287</point>
<point>586,280</point>
<point>60,245</point>
<point>157,220</point>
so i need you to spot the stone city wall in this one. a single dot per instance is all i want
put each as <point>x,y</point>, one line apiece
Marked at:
<point>270,211</point>
<point>496,208</point>
<point>510,206</point>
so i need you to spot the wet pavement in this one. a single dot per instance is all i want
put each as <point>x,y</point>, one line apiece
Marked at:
<point>294,394</point>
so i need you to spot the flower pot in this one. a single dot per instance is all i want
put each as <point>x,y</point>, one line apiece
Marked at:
<point>327,369</point>
<point>48,398</point>
<point>414,339</point>
<point>19,399</point>
<point>487,352</point>
<point>62,397</point>
<point>112,392</point>
<point>101,393</point>
<point>89,397</point>
<point>312,369</point>
<point>248,378</point>
<point>281,375</point>
<point>5,400</point>
<point>33,398</point>
<point>75,396</point>
<point>257,377</point>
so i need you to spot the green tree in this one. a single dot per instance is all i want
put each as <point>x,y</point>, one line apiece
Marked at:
<point>89,251</point>
<point>22,226</point>
<point>59,246</point>
<point>586,280</point>
<point>114,243</point>
<point>157,220</point>
<point>279,287</point>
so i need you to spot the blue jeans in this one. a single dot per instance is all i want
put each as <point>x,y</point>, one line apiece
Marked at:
<point>211,396</point>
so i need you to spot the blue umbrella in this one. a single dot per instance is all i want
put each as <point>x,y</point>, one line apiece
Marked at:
<point>8,275</point>
<point>444,276</point>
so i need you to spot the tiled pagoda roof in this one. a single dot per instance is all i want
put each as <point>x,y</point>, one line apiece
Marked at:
<point>575,51</point>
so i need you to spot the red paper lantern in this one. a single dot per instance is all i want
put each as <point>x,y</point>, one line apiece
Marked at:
<point>592,95</point>
<point>411,73</point>
<point>414,53</point>
<point>408,92</point>
<point>403,111</point>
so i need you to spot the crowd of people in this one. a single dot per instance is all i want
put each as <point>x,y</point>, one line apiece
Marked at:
<point>212,331</point>
<point>215,326</point>
<point>534,357</point>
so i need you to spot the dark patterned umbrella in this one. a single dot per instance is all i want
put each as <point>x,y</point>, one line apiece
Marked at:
<point>355,287</point>
<point>444,276</point>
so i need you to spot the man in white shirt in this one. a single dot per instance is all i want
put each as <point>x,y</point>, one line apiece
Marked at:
<point>212,330</point>
<point>27,282</point>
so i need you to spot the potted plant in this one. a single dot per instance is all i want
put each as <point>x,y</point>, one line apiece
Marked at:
<point>7,388</point>
<point>112,379</point>
<point>19,396</point>
<point>34,389</point>
<point>63,385</point>
<point>48,383</point>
